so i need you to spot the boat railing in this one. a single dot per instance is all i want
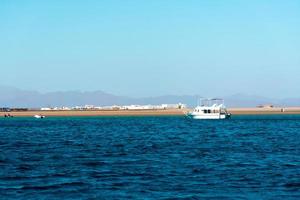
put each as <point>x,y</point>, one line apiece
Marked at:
<point>213,102</point>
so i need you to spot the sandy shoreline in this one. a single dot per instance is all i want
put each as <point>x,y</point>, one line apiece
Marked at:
<point>175,112</point>
<point>169,112</point>
<point>264,111</point>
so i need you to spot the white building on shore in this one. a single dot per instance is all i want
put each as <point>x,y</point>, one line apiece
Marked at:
<point>117,107</point>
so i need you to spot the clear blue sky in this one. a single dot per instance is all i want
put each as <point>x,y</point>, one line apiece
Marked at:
<point>149,48</point>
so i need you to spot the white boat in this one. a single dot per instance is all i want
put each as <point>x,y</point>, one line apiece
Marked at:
<point>39,116</point>
<point>210,109</point>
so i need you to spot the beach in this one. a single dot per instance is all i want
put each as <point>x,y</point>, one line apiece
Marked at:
<point>167,112</point>
<point>265,111</point>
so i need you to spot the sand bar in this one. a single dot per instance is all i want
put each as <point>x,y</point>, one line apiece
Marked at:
<point>168,112</point>
<point>264,111</point>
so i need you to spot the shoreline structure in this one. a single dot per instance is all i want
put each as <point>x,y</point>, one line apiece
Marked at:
<point>150,112</point>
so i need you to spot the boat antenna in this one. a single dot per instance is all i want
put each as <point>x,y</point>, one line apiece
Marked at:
<point>198,100</point>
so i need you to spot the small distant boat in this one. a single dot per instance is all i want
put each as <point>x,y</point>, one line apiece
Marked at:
<point>39,116</point>
<point>210,109</point>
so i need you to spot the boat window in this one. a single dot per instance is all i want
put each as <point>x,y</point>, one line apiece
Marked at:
<point>205,111</point>
<point>208,111</point>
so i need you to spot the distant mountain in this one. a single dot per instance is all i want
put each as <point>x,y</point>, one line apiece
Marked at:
<point>290,102</point>
<point>14,97</point>
<point>243,100</point>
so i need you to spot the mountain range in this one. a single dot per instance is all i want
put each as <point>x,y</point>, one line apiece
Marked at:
<point>14,97</point>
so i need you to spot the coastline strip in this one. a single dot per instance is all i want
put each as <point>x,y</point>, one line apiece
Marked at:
<point>171,112</point>
<point>168,112</point>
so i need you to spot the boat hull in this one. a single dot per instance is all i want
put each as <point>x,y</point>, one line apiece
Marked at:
<point>39,116</point>
<point>211,116</point>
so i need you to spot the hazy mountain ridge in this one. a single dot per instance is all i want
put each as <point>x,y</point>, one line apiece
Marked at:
<point>13,97</point>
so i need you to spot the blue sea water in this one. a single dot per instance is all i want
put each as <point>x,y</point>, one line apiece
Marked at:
<point>249,157</point>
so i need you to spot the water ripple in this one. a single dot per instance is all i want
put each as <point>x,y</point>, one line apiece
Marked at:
<point>150,158</point>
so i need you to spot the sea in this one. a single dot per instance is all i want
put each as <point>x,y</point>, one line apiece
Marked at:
<point>246,157</point>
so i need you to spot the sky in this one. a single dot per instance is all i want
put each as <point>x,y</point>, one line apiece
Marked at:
<point>149,48</point>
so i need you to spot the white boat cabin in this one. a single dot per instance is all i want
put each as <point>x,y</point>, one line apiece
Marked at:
<point>210,109</point>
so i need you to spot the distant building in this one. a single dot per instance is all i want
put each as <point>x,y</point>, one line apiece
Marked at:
<point>173,106</point>
<point>46,109</point>
<point>117,107</point>
<point>5,109</point>
<point>89,107</point>
<point>77,108</point>
<point>266,106</point>
<point>19,109</point>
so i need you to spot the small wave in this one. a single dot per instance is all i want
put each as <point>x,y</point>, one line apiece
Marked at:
<point>55,186</point>
<point>293,185</point>
<point>94,163</point>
